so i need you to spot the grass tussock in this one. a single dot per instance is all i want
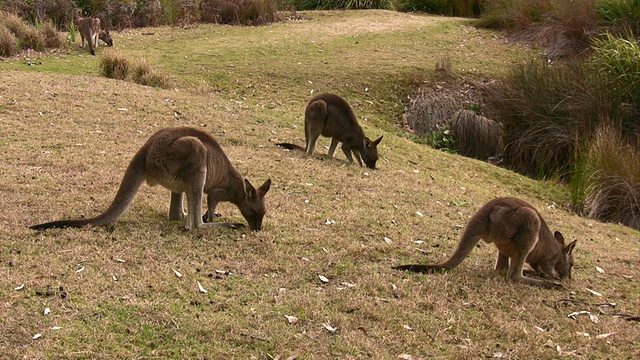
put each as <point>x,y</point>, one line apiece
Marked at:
<point>143,73</point>
<point>52,38</point>
<point>613,179</point>
<point>8,42</point>
<point>476,136</point>
<point>114,65</point>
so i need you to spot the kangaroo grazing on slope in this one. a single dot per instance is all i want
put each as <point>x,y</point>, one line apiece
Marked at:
<point>183,160</point>
<point>89,29</point>
<point>520,234</point>
<point>331,116</point>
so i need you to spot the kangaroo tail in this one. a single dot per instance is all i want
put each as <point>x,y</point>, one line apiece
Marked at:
<point>470,238</point>
<point>131,182</point>
<point>290,146</point>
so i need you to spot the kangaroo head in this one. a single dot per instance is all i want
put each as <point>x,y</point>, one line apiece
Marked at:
<point>565,263</point>
<point>252,208</point>
<point>369,152</point>
<point>105,37</point>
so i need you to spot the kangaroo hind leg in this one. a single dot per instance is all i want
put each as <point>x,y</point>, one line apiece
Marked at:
<point>526,241</point>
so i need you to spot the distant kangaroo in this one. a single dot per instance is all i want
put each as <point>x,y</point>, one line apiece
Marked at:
<point>331,116</point>
<point>89,29</point>
<point>520,234</point>
<point>183,160</point>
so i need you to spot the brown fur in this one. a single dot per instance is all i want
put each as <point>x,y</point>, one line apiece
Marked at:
<point>183,160</point>
<point>90,30</point>
<point>520,234</point>
<point>331,116</point>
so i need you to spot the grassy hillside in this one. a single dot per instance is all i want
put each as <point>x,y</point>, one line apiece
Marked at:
<point>67,136</point>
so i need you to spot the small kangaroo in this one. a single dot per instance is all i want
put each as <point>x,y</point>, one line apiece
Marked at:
<point>331,116</point>
<point>520,234</point>
<point>183,160</point>
<point>89,29</point>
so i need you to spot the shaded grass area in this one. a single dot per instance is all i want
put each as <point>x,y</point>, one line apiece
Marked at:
<point>67,139</point>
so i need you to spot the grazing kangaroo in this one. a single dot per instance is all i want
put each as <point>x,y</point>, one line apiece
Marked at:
<point>183,160</point>
<point>520,234</point>
<point>89,28</point>
<point>331,116</point>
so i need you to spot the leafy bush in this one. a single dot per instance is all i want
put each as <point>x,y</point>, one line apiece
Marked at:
<point>114,65</point>
<point>8,42</point>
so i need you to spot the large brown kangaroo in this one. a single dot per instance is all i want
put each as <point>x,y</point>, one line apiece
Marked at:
<point>89,29</point>
<point>331,116</point>
<point>520,234</point>
<point>183,160</point>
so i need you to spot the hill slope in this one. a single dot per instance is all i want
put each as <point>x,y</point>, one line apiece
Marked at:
<point>67,137</point>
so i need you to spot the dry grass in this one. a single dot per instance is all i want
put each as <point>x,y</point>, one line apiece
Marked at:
<point>114,65</point>
<point>67,140</point>
<point>144,74</point>
<point>476,136</point>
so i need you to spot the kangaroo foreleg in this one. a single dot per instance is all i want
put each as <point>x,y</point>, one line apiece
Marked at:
<point>332,147</point>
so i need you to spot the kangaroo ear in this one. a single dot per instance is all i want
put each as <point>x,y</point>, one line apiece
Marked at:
<point>559,237</point>
<point>375,143</point>
<point>264,188</point>
<point>569,248</point>
<point>367,142</point>
<point>250,190</point>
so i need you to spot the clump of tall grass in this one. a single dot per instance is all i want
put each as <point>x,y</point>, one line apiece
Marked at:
<point>239,12</point>
<point>618,59</point>
<point>476,136</point>
<point>52,38</point>
<point>143,73</point>
<point>564,27</point>
<point>612,173</point>
<point>544,111</point>
<point>344,4</point>
<point>114,65</point>
<point>28,37</point>
<point>465,8</point>
<point>8,42</point>
<point>621,16</point>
